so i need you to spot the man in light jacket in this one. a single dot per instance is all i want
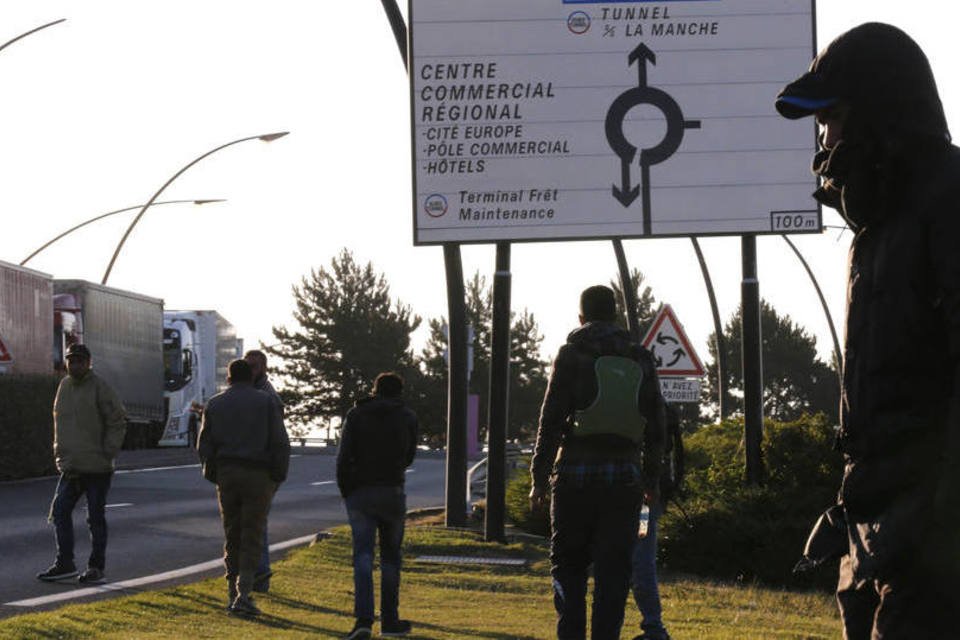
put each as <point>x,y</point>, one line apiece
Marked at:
<point>245,451</point>
<point>89,423</point>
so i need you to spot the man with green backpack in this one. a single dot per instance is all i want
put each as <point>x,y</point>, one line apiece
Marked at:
<point>599,451</point>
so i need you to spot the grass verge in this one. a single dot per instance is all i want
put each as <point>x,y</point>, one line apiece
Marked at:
<point>312,596</point>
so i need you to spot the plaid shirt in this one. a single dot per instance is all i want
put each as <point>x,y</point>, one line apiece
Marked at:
<point>607,474</point>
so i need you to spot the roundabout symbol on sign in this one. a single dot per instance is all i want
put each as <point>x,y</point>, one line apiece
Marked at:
<point>627,152</point>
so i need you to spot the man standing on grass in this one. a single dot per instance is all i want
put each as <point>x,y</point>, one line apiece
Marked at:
<point>378,443</point>
<point>89,423</point>
<point>258,364</point>
<point>604,413</point>
<point>888,167</point>
<point>244,449</point>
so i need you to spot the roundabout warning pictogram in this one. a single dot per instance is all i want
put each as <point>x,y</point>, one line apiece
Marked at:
<point>627,152</point>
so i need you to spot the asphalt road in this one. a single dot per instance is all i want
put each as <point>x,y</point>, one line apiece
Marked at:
<point>165,519</point>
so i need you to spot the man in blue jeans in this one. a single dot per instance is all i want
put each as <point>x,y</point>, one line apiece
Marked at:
<point>261,381</point>
<point>643,582</point>
<point>378,443</point>
<point>89,423</point>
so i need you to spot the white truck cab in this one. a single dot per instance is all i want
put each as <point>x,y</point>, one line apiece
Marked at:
<point>197,346</point>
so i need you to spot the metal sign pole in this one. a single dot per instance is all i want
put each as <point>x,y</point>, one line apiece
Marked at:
<point>718,331</point>
<point>456,486</point>
<point>499,399</point>
<point>752,361</point>
<point>629,294</point>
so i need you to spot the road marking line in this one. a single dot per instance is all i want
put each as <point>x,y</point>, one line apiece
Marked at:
<point>139,582</point>
<point>119,504</point>
<point>322,482</point>
<point>182,466</point>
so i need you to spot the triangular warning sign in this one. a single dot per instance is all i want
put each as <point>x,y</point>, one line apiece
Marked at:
<point>5,356</point>
<point>670,346</point>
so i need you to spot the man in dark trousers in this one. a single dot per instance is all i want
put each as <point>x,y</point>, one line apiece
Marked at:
<point>261,381</point>
<point>604,413</point>
<point>244,449</point>
<point>887,166</point>
<point>89,423</point>
<point>378,443</point>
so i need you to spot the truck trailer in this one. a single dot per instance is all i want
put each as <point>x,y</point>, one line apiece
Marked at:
<point>26,332</point>
<point>124,332</point>
<point>197,346</point>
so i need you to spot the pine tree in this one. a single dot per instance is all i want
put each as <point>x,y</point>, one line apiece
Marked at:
<point>349,331</point>
<point>795,380</point>
<point>527,369</point>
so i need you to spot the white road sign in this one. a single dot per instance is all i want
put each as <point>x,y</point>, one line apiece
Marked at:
<point>565,119</point>
<point>670,346</point>
<point>680,389</point>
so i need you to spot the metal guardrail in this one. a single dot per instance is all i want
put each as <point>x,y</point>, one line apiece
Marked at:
<point>302,441</point>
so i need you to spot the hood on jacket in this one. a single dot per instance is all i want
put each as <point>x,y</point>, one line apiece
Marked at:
<point>602,337</point>
<point>882,74</point>
<point>894,123</point>
<point>379,403</point>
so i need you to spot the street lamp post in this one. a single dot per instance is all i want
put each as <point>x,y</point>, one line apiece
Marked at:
<point>25,34</point>
<point>105,215</point>
<point>267,137</point>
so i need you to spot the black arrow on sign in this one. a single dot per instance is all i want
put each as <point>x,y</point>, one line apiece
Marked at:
<point>625,196</point>
<point>627,152</point>
<point>679,353</point>
<point>662,339</point>
<point>642,53</point>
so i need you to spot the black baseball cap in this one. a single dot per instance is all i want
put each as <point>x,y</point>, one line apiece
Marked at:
<point>78,351</point>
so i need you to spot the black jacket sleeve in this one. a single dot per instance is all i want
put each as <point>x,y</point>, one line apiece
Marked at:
<point>653,409</point>
<point>345,457</point>
<point>559,405</point>
<point>413,427</point>
<point>279,443</point>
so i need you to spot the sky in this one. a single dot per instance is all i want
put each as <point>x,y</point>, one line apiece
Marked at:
<point>100,111</point>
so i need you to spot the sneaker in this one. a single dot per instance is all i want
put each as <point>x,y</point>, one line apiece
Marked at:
<point>244,606</point>
<point>650,635</point>
<point>395,629</point>
<point>261,582</point>
<point>361,631</point>
<point>92,575</point>
<point>58,572</point>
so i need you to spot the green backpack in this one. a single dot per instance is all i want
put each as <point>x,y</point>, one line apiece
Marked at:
<point>614,410</point>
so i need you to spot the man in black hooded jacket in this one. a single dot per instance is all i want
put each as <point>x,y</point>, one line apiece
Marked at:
<point>377,444</point>
<point>600,445</point>
<point>888,167</point>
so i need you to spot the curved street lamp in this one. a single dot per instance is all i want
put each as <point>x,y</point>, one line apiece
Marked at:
<point>267,137</point>
<point>104,215</point>
<point>24,35</point>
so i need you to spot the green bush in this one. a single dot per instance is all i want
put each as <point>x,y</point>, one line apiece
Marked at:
<point>518,504</point>
<point>26,426</point>
<point>731,531</point>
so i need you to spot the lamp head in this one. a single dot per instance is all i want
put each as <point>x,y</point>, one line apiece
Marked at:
<point>270,137</point>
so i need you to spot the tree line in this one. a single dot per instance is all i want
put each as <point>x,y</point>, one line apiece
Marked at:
<point>349,328</point>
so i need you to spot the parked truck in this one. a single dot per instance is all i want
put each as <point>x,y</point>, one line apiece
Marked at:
<point>197,346</point>
<point>26,333</point>
<point>124,331</point>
